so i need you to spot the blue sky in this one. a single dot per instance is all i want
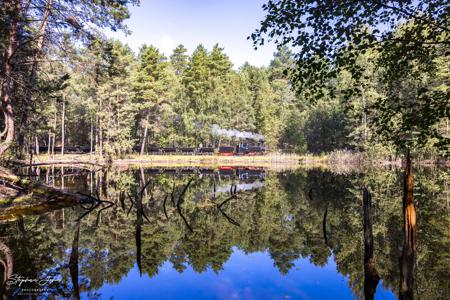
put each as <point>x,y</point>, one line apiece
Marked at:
<point>167,23</point>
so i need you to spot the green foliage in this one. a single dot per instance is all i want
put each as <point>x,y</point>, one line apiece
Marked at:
<point>179,59</point>
<point>37,47</point>
<point>326,128</point>
<point>407,40</point>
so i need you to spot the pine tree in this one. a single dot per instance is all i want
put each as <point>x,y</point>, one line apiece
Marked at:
<point>117,95</point>
<point>179,59</point>
<point>196,79</point>
<point>219,62</point>
<point>152,90</point>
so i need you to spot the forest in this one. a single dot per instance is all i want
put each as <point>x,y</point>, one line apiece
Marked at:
<point>354,105</point>
<point>60,74</point>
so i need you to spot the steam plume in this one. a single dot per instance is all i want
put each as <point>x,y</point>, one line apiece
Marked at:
<point>217,131</point>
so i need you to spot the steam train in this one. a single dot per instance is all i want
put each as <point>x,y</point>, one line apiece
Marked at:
<point>241,149</point>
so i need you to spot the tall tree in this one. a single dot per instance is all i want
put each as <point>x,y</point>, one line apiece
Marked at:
<point>151,90</point>
<point>219,62</point>
<point>409,35</point>
<point>179,59</point>
<point>80,20</point>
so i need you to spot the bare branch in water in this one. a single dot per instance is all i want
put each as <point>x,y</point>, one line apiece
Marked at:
<point>180,200</point>
<point>96,202</point>
<point>219,206</point>
<point>110,204</point>
<point>310,194</point>
<point>164,206</point>
<point>145,216</point>
<point>184,219</point>
<point>141,193</point>
<point>324,225</point>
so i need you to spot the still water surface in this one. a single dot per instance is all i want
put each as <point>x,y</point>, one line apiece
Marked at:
<point>226,233</point>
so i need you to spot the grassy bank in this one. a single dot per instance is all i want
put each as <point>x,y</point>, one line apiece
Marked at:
<point>335,159</point>
<point>175,160</point>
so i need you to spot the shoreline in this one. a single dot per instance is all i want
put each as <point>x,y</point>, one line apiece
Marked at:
<point>162,160</point>
<point>275,160</point>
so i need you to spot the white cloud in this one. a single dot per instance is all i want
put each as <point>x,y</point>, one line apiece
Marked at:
<point>166,43</point>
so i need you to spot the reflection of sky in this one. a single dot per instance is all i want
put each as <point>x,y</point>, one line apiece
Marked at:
<point>239,187</point>
<point>251,276</point>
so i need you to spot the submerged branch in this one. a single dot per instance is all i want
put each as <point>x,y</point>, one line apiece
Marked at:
<point>37,197</point>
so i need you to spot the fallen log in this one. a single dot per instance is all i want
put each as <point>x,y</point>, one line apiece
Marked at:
<point>32,197</point>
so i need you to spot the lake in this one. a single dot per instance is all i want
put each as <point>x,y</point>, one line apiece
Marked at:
<point>226,233</point>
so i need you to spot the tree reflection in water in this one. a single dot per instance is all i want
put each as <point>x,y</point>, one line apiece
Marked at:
<point>196,220</point>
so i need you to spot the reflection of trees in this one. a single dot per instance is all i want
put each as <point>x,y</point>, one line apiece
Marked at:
<point>73,262</point>
<point>409,235</point>
<point>287,218</point>
<point>371,276</point>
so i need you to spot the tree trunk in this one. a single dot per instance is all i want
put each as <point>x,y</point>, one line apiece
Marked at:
<point>6,88</point>
<point>37,145</point>
<point>54,136</point>
<point>100,128</point>
<point>409,235</point>
<point>73,262</point>
<point>53,145</point>
<point>143,182</point>
<point>34,68</point>
<point>371,277</point>
<point>62,177</point>
<point>92,137</point>
<point>8,267</point>
<point>138,238</point>
<point>97,147</point>
<point>144,139</point>
<point>49,143</point>
<point>62,122</point>
<point>324,225</point>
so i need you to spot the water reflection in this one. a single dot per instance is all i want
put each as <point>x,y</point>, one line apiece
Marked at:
<point>218,224</point>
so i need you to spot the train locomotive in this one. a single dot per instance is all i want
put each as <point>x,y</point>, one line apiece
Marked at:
<point>240,149</point>
<point>228,150</point>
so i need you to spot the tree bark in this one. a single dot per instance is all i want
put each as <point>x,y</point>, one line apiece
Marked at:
<point>8,267</point>
<point>6,88</point>
<point>409,235</point>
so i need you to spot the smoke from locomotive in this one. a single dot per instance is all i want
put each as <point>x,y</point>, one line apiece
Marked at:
<point>217,131</point>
